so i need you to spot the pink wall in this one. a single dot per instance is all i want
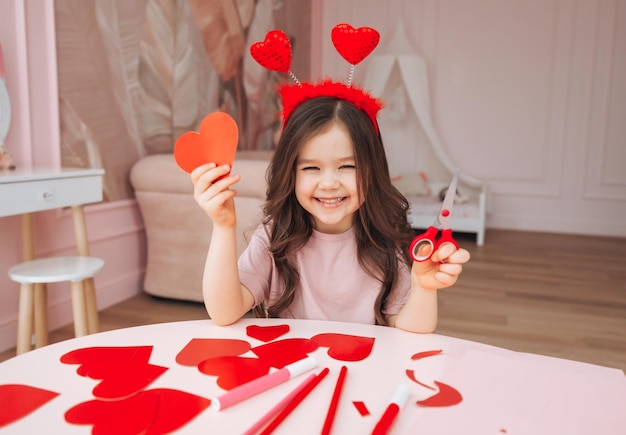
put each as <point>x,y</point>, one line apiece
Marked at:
<point>27,38</point>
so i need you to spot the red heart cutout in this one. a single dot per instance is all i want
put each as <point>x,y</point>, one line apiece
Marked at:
<point>233,371</point>
<point>283,352</point>
<point>17,401</point>
<point>354,45</point>
<point>119,380</point>
<point>200,349</point>
<point>216,142</point>
<point>89,356</point>
<point>274,53</point>
<point>123,371</point>
<point>157,411</point>
<point>345,347</point>
<point>266,333</point>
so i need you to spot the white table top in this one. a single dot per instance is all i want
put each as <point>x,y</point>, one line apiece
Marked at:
<point>32,174</point>
<point>503,392</point>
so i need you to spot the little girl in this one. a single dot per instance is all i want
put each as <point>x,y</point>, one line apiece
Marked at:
<point>334,240</point>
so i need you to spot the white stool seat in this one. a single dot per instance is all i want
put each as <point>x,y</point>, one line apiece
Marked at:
<point>56,269</point>
<point>34,275</point>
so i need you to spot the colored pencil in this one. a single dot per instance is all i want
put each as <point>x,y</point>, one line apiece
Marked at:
<point>332,409</point>
<point>295,402</point>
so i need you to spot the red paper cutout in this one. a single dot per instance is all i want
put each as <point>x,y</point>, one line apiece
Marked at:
<point>119,380</point>
<point>266,333</point>
<point>360,406</point>
<point>274,53</point>
<point>345,347</point>
<point>123,371</point>
<point>200,349</point>
<point>216,142</point>
<point>17,401</point>
<point>354,45</point>
<point>152,412</point>
<point>411,375</point>
<point>233,371</point>
<point>89,356</point>
<point>425,354</point>
<point>283,352</point>
<point>447,396</point>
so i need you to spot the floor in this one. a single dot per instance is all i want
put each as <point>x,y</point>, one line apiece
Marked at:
<point>551,294</point>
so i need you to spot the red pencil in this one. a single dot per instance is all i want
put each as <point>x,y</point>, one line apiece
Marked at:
<point>295,402</point>
<point>332,409</point>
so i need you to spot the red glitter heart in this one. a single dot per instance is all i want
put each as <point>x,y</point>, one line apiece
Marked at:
<point>274,53</point>
<point>354,45</point>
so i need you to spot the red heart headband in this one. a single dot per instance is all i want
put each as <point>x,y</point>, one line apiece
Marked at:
<point>354,45</point>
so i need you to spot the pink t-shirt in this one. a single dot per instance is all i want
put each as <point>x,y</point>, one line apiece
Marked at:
<point>333,286</point>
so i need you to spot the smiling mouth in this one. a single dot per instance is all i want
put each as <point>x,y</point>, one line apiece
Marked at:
<point>331,201</point>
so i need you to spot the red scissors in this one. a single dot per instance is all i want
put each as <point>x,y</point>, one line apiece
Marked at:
<point>423,246</point>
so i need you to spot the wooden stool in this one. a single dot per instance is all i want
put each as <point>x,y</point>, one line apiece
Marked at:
<point>34,275</point>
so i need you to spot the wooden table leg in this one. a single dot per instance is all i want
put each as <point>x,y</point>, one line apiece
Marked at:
<point>25,319</point>
<point>91,306</point>
<point>41,315</point>
<point>78,309</point>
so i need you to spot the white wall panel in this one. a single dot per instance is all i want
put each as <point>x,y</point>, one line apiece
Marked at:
<point>529,96</point>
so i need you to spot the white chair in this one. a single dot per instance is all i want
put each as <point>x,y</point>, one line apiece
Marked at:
<point>34,275</point>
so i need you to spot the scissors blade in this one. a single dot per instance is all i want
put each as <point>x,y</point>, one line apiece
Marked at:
<point>448,202</point>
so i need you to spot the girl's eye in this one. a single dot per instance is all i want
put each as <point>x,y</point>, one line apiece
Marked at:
<point>310,168</point>
<point>347,167</point>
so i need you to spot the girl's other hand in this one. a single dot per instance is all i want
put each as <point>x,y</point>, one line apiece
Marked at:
<point>213,194</point>
<point>442,269</point>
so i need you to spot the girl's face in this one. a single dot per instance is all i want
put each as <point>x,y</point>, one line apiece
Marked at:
<point>326,185</point>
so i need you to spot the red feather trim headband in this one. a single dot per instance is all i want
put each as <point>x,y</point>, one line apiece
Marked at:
<point>354,45</point>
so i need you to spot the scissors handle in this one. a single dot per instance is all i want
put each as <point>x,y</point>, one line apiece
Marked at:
<point>423,245</point>
<point>446,237</point>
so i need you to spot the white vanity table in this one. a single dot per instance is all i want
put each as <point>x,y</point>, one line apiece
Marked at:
<point>25,191</point>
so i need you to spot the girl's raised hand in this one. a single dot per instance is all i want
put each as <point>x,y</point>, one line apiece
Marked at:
<point>442,269</point>
<point>213,194</point>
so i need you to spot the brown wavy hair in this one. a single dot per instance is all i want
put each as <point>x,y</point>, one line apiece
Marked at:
<point>383,233</point>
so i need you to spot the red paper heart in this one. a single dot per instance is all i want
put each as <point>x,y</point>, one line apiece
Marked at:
<point>266,333</point>
<point>274,53</point>
<point>200,349</point>
<point>233,371</point>
<point>123,371</point>
<point>345,347</point>
<point>354,45</point>
<point>283,352</point>
<point>17,401</point>
<point>119,380</point>
<point>89,356</point>
<point>446,396</point>
<point>216,142</point>
<point>150,412</point>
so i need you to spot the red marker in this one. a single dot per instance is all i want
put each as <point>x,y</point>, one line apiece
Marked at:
<point>397,402</point>
<point>263,383</point>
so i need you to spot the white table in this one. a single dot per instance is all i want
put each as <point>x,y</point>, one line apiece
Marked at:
<point>28,190</point>
<point>503,392</point>
<point>25,191</point>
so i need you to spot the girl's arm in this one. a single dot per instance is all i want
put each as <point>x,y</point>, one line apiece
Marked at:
<point>226,300</point>
<point>420,314</point>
